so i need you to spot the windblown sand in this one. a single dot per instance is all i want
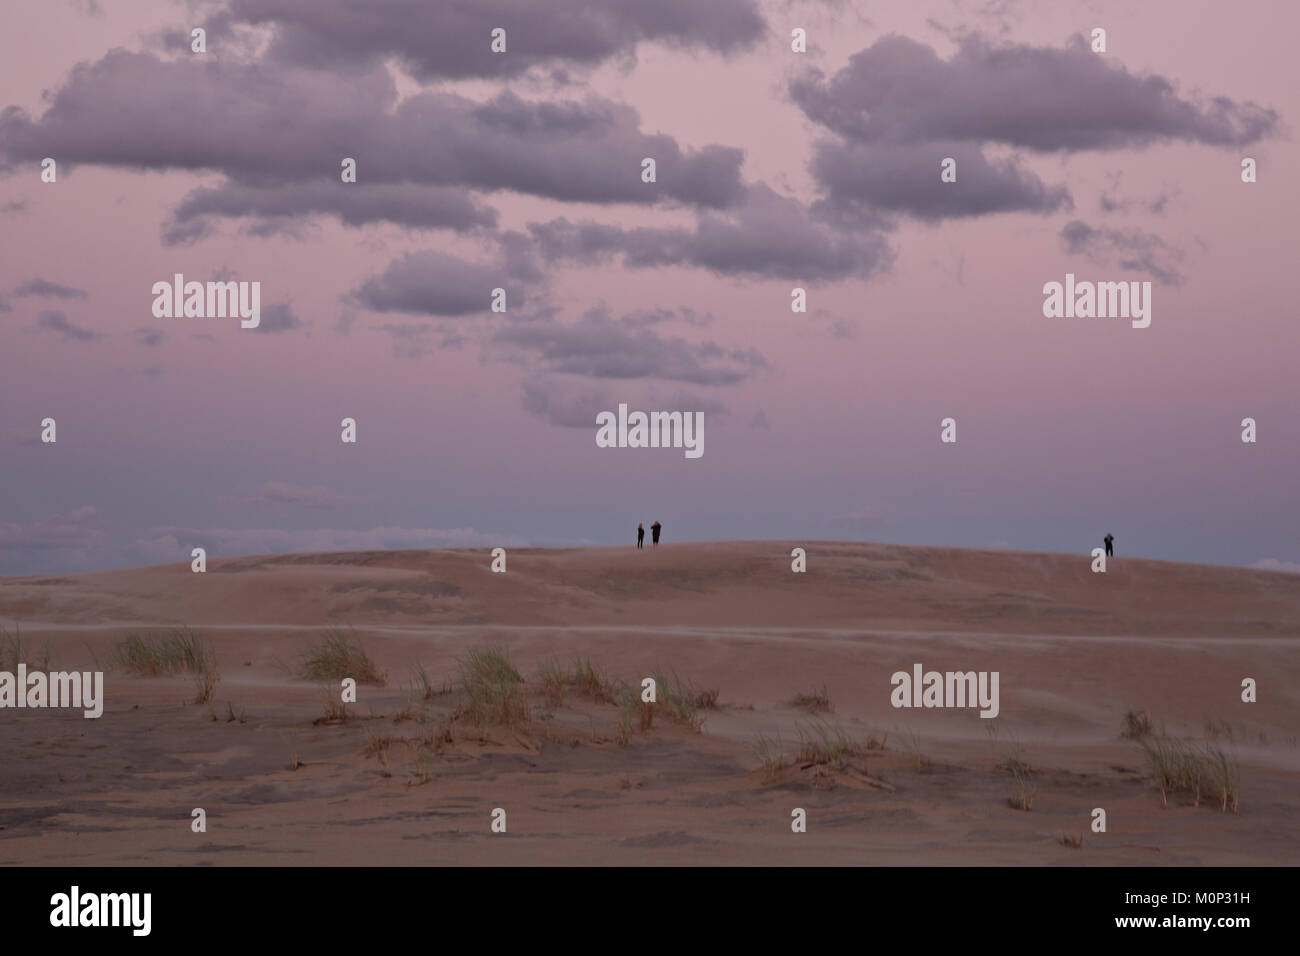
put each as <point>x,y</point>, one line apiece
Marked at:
<point>413,781</point>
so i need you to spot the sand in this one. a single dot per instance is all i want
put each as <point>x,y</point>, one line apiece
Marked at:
<point>407,780</point>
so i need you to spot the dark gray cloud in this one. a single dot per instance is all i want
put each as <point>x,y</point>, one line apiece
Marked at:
<point>278,209</point>
<point>1131,249</point>
<point>279,317</point>
<point>45,288</point>
<point>54,321</point>
<point>1047,99</point>
<point>452,39</point>
<point>149,338</point>
<point>768,235</point>
<point>587,151</point>
<point>862,180</point>
<point>602,347</point>
<point>561,403</point>
<point>435,283</point>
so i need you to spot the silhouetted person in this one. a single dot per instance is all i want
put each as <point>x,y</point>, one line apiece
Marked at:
<point>654,533</point>
<point>1110,545</point>
<point>640,536</point>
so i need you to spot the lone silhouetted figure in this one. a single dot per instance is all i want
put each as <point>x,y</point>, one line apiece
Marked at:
<point>1110,545</point>
<point>640,536</point>
<point>654,534</point>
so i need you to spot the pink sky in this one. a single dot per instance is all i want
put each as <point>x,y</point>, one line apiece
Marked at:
<point>1067,429</point>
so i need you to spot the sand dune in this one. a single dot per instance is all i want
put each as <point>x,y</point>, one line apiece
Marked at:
<point>412,780</point>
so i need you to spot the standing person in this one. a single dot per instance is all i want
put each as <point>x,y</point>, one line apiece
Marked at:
<point>640,535</point>
<point>654,533</point>
<point>1110,545</point>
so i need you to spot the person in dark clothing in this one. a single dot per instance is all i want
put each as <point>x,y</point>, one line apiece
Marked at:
<point>640,536</point>
<point>1110,545</point>
<point>654,533</point>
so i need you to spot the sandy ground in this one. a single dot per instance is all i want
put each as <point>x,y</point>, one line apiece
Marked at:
<point>413,781</point>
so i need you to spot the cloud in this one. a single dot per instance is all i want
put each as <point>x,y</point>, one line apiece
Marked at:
<point>562,404</point>
<point>452,40</point>
<point>897,109</point>
<point>42,287</point>
<point>599,346</point>
<point>861,179</point>
<point>1039,98</point>
<point>173,543</point>
<point>55,321</point>
<point>149,338</point>
<point>587,151</point>
<point>767,236</point>
<point>1129,249</point>
<point>1273,564</point>
<point>435,283</point>
<point>278,318</point>
<point>278,209</point>
<point>72,540</point>
<point>4,304</point>
<point>272,494</point>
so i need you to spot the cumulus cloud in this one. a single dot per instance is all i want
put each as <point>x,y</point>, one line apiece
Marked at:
<point>768,236</point>
<point>433,39</point>
<point>277,209</point>
<point>435,283</point>
<point>1039,98</point>
<point>602,347</point>
<point>117,112</point>
<point>897,109</point>
<point>862,179</point>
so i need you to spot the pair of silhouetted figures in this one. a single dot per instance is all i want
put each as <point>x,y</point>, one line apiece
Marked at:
<point>654,534</point>
<point>1110,545</point>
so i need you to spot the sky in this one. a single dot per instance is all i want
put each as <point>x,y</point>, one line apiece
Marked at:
<point>522,170</point>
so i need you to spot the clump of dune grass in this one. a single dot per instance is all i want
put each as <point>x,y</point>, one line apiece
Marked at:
<point>824,743</point>
<point>206,675</point>
<point>1179,766</point>
<point>679,699</point>
<point>551,680</point>
<point>633,712</point>
<point>770,755</point>
<point>337,657</point>
<point>14,652</point>
<point>1073,841</point>
<point>376,743</point>
<point>1023,774</point>
<point>423,684</point>
<point>815,701</point>
<point>336,712</point>
<point>1023,797</point>
<point>493,688</point>
<point>177,650</point>
<point>588,681</point>
<point>912,741</point>
<point>1137,724</point>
